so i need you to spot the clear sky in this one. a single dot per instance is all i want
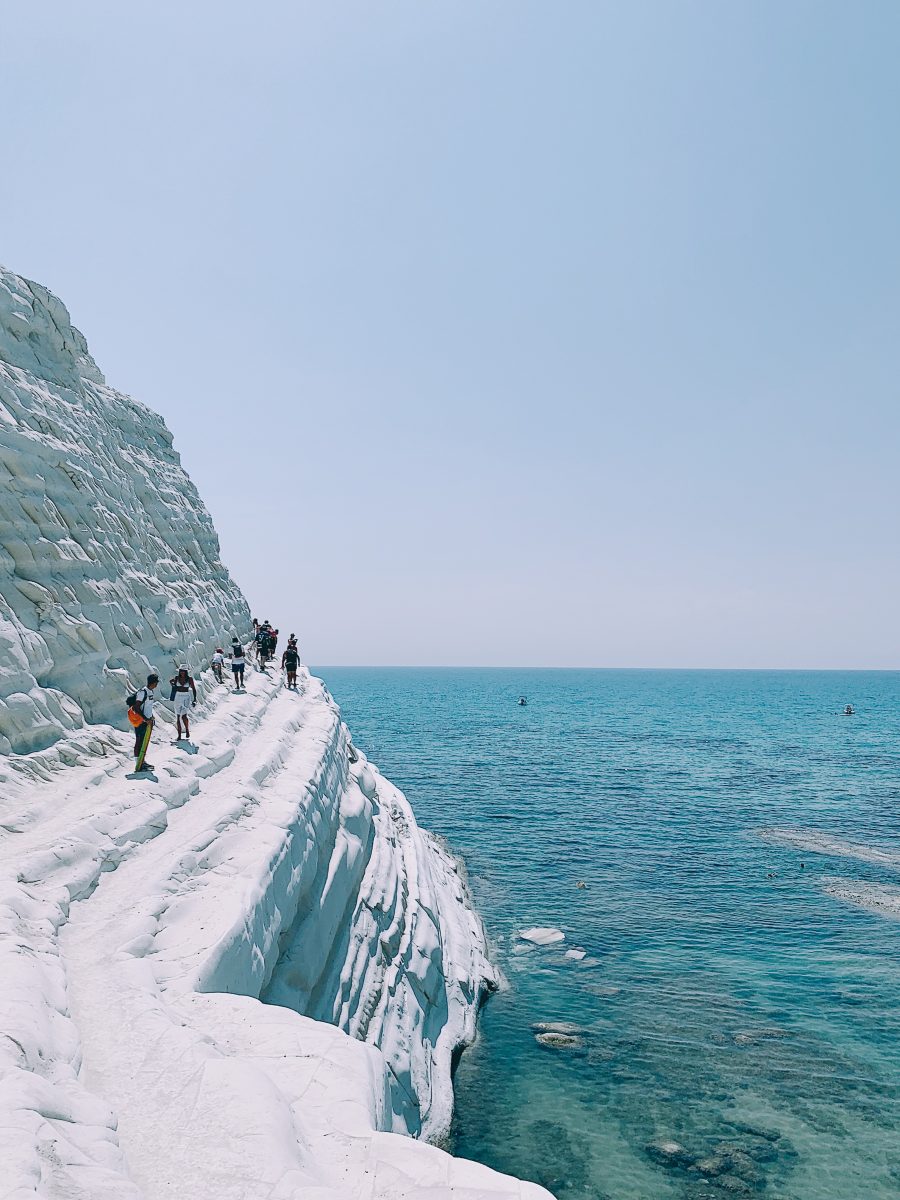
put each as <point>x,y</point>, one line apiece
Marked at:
<point>508,332</point>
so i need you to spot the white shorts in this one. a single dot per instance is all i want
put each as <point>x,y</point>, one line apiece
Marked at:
<point>183,703</point>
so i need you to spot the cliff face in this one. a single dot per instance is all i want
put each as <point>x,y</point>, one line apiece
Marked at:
<point>109,561</point>
<point>246,976</point>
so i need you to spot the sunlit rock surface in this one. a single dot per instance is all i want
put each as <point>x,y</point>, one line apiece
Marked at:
<point>108,559</point>
<point>245,976</point>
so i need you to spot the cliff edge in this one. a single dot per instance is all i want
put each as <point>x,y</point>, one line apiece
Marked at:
<point>247,976</point>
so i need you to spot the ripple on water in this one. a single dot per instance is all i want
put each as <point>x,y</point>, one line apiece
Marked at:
<point>739,994</point>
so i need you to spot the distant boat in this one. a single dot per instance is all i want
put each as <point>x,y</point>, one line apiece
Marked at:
<point>523,700</point>
<point>849,710</point>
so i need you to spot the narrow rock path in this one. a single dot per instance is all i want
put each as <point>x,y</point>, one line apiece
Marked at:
<point>139,1054</point>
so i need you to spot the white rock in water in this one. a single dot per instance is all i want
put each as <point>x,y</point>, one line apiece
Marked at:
<point>576,954</point>
<point>542,935</point>
<point>567,1027</point>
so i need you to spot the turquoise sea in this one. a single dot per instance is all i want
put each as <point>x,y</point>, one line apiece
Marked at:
<point>738,841</point>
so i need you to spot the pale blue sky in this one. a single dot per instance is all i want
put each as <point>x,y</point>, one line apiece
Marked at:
<point>498,332</point>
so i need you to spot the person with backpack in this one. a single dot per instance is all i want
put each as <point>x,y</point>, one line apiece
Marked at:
<point>140,714</point>
<point>262,642</point>
<point>289,661</point>
<point>184,693</point>
<point>237,663</point>
<point>218,664</point>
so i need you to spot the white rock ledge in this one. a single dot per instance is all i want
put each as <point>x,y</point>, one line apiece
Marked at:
<point>245,980</point>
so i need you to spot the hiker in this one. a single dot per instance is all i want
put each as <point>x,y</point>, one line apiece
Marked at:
<point>143,706</point>
<point>184,693</point>
<point>237,663</point>
<point>289,662</point>
<point>218,664</point>
<point>273,642</point>
<point>262,641</point>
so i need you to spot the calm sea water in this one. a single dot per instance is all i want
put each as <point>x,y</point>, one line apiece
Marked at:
<point>735,996</point>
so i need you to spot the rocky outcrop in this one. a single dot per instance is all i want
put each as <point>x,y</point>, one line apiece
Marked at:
<point>109,562</point>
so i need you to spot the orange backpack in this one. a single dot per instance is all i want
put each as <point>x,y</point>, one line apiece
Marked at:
<point>135,713</point>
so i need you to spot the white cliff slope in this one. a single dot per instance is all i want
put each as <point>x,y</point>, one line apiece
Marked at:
<point>108,558</point>
<point>246,976</point>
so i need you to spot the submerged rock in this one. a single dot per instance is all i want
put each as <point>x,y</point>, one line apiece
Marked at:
<point>732,1185</point>
<point>756,1131</point>
<point>600,1055</point>
<point>752,1037</point>
<point>560,1159</point>
<point>560,1041</point>
<point>669,1153</point>
<point>568,1027</point>
<point>728,1162</point>
<point>604,990</point>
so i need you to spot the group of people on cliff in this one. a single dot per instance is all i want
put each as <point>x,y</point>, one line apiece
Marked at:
<point>183,690</point>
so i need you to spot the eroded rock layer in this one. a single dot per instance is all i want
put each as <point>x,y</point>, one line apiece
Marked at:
<point>109,561</point>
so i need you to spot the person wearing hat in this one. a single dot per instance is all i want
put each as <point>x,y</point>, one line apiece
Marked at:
<point>237,663</point>
<point>144,705</point>
<point>184,693</point>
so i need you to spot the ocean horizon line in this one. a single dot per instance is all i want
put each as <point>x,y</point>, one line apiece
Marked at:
<point>553,667</point>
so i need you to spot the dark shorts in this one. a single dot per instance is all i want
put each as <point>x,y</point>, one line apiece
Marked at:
<point>139,731</point>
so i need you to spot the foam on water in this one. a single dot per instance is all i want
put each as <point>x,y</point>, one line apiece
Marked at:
<point>723,847</point>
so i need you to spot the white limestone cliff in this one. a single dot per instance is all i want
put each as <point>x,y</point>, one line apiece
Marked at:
<point>109,560</point>
<point>247,976</point>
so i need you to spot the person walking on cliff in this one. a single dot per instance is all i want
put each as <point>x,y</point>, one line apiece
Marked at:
<point>289,661</point>
<point>184,693</point>
<point>140,713</point>
<point>262,644</point>
<point>237,663</point>
<point>218,664</point>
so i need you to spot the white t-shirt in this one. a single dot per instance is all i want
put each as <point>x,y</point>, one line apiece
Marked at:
<point>218,657</point>
<point>145,703</point>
